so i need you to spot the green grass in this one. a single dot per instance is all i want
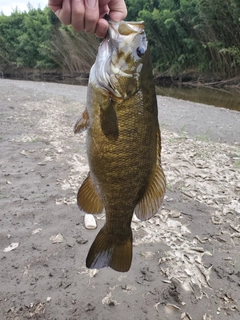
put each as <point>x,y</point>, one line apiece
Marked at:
<point>3,196</point>
<point>169,187</point>
<point>202,154</point>
<point>181,187</point>
<point>36,139</point>
<point>204,136</point>
<point>182,132</point>
<point>172,140</point>
<point>163,124</point>
<point>237,163</point>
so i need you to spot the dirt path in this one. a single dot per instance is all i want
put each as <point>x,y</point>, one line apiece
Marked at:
<point>186,262</point>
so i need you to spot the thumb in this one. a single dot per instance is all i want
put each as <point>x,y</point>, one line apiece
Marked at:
<point>117,10</point>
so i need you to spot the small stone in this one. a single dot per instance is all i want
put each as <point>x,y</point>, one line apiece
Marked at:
<point>11,247</point>
<point>38,230</point>
<point>57,239</point>
<point>81,240</point>
<point>90,222</point>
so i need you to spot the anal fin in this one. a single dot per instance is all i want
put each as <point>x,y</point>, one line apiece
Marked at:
<point>87,198</point>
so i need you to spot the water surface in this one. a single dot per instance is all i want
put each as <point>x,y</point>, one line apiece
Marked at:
<point>229,99</point>
<point>222,98</point>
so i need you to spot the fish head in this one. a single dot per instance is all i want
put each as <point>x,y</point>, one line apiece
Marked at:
<point>121,58</point>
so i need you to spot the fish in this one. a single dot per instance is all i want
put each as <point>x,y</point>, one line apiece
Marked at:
<point>123,143</point>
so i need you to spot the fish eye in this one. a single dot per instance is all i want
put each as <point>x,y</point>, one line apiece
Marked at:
<point>140,51</point>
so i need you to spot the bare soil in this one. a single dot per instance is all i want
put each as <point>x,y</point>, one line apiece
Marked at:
<point>186,262</point>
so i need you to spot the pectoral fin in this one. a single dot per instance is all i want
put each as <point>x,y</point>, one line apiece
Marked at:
<point>87,198</point>
<point>82,123</point>
<point>154,194</point>
<point>109,121</point>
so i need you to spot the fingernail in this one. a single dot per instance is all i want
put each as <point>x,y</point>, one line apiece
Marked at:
<point>91,3</point>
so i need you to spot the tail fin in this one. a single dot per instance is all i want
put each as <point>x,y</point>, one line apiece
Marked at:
<point>108,251</point>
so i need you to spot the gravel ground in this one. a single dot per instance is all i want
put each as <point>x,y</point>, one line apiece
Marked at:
<point>186,262</point>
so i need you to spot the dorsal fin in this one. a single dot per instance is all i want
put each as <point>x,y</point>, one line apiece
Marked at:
<point>87,198</point>
<point>154,194</point>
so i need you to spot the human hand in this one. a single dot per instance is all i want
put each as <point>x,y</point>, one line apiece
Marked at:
<point>88,14</point>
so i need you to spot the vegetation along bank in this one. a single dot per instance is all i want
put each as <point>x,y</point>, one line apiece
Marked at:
<point>191,41</point>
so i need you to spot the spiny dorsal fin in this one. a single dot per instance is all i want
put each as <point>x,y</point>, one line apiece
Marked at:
<point>153,197</point>
<point>87,198</point>
<point>82,123</point>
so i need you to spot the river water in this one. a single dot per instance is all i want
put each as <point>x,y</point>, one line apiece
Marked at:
<point>222,98</point>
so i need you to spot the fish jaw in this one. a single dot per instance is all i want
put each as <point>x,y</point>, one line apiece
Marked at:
<point>120,59</point>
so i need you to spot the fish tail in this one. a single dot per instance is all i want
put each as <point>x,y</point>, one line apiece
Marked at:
<point>108,251</point>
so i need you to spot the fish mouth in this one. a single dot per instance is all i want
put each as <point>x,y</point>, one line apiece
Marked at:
<point>123,28</point>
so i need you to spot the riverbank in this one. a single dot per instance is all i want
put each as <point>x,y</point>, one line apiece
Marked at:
<point>186,259</point>
<point>220,93</point>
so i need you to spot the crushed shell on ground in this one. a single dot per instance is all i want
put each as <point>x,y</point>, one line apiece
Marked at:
<point>202,171</point>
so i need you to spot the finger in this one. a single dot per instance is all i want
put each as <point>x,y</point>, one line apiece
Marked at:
<point>54,4</point>
<point>118,10</point>
<point>101,29</point>
<point>103,10</point>
<point>62,9</point>
<point>91,15</point>
<point>78,11</point>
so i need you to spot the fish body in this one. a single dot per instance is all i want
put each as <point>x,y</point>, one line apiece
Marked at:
<point>123,143</point>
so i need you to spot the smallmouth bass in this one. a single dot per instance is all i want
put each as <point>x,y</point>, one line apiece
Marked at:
<point>123,143</point>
